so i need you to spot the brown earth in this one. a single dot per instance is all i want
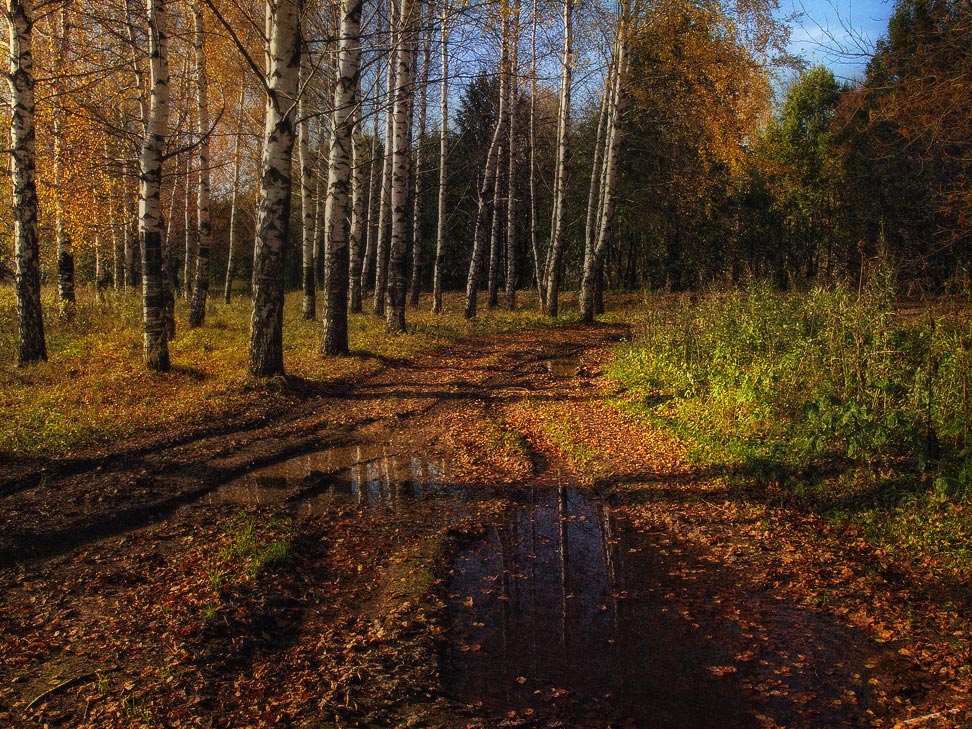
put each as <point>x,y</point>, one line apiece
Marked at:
<point>139,588</point>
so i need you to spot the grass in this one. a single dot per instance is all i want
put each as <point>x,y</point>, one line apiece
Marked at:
<point>253,549</point>
<point>840,401</point>
<point>95,390</point>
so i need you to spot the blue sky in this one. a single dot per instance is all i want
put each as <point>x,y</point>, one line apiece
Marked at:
<point>839,34</point>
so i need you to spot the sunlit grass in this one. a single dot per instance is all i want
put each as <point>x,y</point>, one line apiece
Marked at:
<point>838,401</point>
<point>94,388</point>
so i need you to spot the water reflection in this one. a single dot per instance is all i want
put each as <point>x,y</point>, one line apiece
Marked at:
<point>554,613</point>
<point>365,475</point>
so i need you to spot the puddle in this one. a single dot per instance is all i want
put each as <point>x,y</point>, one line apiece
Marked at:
<point>563,366</point>
<point>560,613</point>
<point>365,475</point>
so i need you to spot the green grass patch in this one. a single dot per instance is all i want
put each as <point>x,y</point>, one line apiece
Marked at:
<point>843,401</point>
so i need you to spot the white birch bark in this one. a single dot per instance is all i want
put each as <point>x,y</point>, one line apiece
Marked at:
<point>384,210</point>
<point>512,146</point>
<point>371,224</point>
<point>485,193</point>
<point>558,223</point>
<point>31,346</point>
<point>492,280</point>
<point>117,254</point>
<point>498,214</point>
<point>307,210</point>
<point>594,262</point>
<point>337,210</point>
<point>408,13</point>
<point>538,272</point>
<point>358,218</point>
<point>273,219</point>
<point>415,283</point>
<point>188,230</point>
<point>320,193</point>
<point>65,245</point>
<point>443,157</point>
<point>200,288</point>
<point>156,350</point>
<point>234,202</point>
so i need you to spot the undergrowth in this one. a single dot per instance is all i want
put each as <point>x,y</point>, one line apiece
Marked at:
<point>841,401</point>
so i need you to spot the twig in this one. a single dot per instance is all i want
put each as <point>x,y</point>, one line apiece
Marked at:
<point>922,719</point>
<point>55,689</point>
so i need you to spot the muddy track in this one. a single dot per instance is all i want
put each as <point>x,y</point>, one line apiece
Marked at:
<point>66,503</point>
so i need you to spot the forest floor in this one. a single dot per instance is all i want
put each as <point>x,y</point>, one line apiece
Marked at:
<point>475,537</point>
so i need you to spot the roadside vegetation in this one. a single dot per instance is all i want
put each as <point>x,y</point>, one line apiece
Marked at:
<point>846,402</point>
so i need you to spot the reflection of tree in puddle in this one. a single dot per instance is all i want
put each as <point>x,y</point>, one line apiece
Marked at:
<point>365,475</point>
<point>544,619</point>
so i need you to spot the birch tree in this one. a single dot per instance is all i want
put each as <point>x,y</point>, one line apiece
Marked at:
<point>234,202</point>
<point>598,233</point>
<point>384,208</point>
<point>308,212</point>
<point>408,12</point>
<point>495,243</point>
<point>558,233</point>
<point>31,346</point>
<point>273,217</point>
<point>358,218</point>
<point>486,192</point>
<point>443,158</point>
<point>371,224</point>
<point>511,199</point>
<point>416,279</point>
<point>156,350</point>
<point>538,272</point>
<point>204,235</point>
<point>65,244</point>
<point>336,269</point>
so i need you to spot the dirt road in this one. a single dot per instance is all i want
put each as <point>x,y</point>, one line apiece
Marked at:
<point>478,538</point>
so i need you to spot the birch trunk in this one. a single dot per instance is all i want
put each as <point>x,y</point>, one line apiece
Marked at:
<point>234,203</point>
<point>409,11</point>
<point>200,289</point>
<point>31,346</point>
<point>597,172</point>
<point>336,212</point>
<point>538,273</point>
<point>443,156</point>
<point>511,199</point>
<point>307,210</point>
<point>320,192</point>
<point>384,210</point>
<point>416,280</point>
<point>169,273</point>
<point>488,187</point>
<point>156,350</point>
<point>129,236</point>
<point>273,219</point>
<point>558,223</point>
<point>492,280</point>
<point>117,253</point>
<point>358,220</point>
<point>65,245</point>
<point>188,230</point>
<point>594,261</point>
<point>371,224</point>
